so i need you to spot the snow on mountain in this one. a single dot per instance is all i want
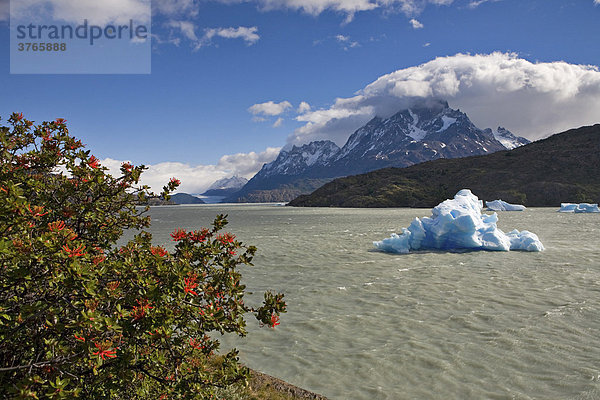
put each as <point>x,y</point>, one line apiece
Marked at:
<point>299,158</point>
<point>235,182</point>
<point>508,139</point>
<point>425,132</point>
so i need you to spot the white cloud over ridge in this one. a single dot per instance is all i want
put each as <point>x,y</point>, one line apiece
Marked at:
<point>533,100</point>
<point>197,178</point>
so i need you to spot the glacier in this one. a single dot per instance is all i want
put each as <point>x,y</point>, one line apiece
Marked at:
<point>579,208</point>
<point>500,205</point>
<point>459,224</point>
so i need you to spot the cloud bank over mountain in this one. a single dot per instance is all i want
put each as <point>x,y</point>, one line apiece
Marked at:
<point>197,178</point>
<point>531,99</point>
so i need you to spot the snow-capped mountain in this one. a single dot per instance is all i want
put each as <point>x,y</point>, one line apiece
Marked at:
<point>508,139</point>
<point>299,159</point>
<point>235,182</point>
<point>422,133</point>
<point>226,186</point>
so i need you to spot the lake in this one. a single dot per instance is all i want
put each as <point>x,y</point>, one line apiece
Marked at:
<point>433,325</point>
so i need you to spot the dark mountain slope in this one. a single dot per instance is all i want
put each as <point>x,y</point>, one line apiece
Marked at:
<point>562,168</point>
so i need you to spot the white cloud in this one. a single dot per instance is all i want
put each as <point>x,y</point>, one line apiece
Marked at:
<point>278,123</point>
<point>416,24</point>
<point>304,107</point>
<point>346,42</point>
<point>177,8</point>
<point>187,28</point>
<point>531,99</point>
<point>74,11</point>
<point>270,108</point>
<point>197,178</point>
<point>426,44</point>
<point>596,2</point>
<point>348,7</point>
<point>248,34</point>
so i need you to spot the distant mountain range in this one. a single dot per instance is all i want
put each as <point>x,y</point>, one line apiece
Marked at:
<point>422,133</point>
<point>226,186</point>
<point>562,168</point>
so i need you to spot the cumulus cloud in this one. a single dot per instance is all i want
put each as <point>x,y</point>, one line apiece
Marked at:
<point>270,108</point>
<point>531,99</point>
<point>197,178</point>
<point>416,24</point>
<point>304,107</point>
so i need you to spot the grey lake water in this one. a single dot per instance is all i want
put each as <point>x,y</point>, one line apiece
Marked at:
<point>434,325</point>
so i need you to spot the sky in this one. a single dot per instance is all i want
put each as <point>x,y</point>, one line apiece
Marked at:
<point>234,81</point>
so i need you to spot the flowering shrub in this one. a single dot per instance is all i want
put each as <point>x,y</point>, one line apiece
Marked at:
<point>81,317</point>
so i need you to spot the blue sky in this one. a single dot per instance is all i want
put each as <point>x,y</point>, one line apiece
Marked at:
<point>194,106</point>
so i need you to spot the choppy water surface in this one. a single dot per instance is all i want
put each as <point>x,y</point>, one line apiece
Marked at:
<point>368,325</point>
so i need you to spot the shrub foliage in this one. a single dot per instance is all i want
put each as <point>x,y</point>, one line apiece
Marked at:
<point>83,317</point>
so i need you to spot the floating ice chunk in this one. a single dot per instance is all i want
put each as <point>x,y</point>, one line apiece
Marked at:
<point>579,208</point>
<point>500,205</point>
<point>459,224</point>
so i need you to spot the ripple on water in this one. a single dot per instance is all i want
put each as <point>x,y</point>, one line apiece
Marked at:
<point>367,325</point>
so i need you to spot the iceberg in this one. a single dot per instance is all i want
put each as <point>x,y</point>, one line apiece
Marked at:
<point>500,205</point>
<point>459,224</point>
<point>579,208</point>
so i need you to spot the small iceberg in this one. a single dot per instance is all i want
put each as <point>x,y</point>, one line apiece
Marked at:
<point>459,224</point>
<point>500,205</point>
<point>579,208</point>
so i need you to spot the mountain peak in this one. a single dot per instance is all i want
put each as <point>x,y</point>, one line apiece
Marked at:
<point>507,138</point>
<point>426,131</point>
<point>235,182</point>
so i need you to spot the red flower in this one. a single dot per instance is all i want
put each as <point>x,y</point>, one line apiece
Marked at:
<point>76,252</point>
<point>179,234</point>
<point>104,352</point>
<point>274,320</point>
<point>158,251</point>
<point>98,259</point>
<point>191,284</point>
<point>19,116</point>
<point>37,211</point>
<point>196,345</point>
<point>56,226</point>
<point>61,121</point>
<point>80,338</point>
<point>139,311</point>
<point>94,162</point>
<point>175,181</point>
<point>226,238</point>
<point>127,167</point>
<point>199,236</point>
<point>112,286</point>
